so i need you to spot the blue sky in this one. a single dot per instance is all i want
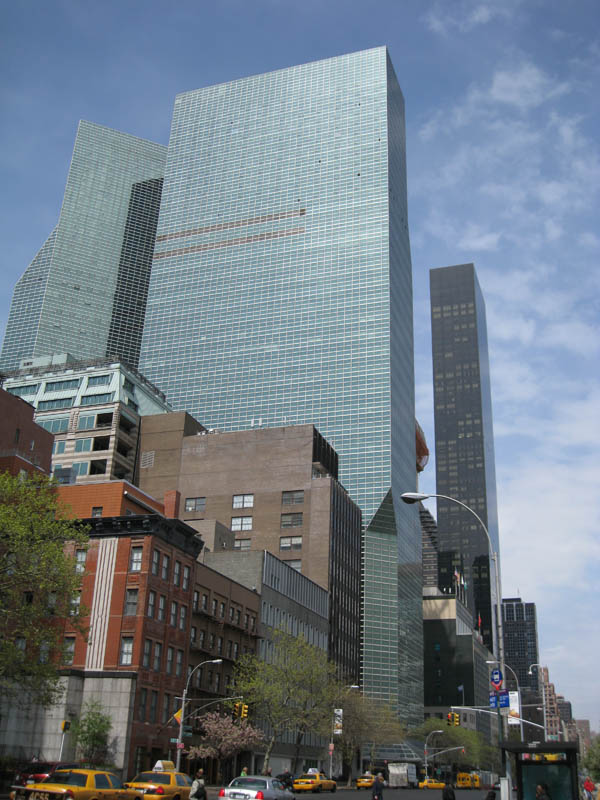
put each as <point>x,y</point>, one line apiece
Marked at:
<point>503,169</point>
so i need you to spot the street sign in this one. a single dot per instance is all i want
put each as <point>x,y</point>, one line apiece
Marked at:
<point>493,700</point>
<point>496,679</point>
<point>504,699</point>
<point>180,745</point>
<point>174,740</point>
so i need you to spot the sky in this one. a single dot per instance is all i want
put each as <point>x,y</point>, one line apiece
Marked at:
<point>503,154</point>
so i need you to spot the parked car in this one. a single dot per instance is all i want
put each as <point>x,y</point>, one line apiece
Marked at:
<point>76,784</point>
<point>36,771</point>
<point>431,783</point>
<point>314,782</point>
<point>256,787</point>
<point>160,785</point>
<point>365,781</point>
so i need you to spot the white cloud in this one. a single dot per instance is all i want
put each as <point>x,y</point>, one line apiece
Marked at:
<point>526,87</point>
<point>589,239</point>
<point>464,16</point>
<point>476,238</point>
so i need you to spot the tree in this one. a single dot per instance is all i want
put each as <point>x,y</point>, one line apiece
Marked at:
<point>385,728</point>
<point>475,752</point>
<point>91,732</point>
<point>592,760</point>
<point>295,691</point>
<point>223,738</point>
<point>38,585</point>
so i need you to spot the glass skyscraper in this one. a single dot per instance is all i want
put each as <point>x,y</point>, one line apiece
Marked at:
<point>85,291</point>
<point>464,440</point>
<point>281,293</point>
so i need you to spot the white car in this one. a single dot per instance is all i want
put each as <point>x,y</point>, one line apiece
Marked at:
<point>256,787</point>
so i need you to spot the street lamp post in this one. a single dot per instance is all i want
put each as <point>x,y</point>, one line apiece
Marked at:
<point>417,497</point>
<point>530,672</point>
<point>507,666</point>
<point>183,699</point>
<point>426,740</point>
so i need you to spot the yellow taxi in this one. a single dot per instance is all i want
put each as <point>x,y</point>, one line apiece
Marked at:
<point>161,784</point>
<point>314,782</point>
<point>431,783</point>
<point>76,784</point>
<point>365,781</point>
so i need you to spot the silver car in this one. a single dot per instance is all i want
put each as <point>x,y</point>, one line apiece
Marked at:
<point>256,787</point>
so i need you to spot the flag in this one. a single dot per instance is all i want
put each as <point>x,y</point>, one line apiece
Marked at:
<point>479,622</point>
<point>177,716</point>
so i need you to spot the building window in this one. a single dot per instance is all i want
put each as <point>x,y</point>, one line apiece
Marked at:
<point>165,708</point>
<point>157,656</point>
<point>151,604</point>
<point>236,649</point>
<point>126,654</point>
<point>242,523</point>
<point>98,380</point>
<point>131,598</point>
<point>231,613</point>
<point>50,405</point>
<point>97,399</point>
<point>290,543</point>
<point>83,445</point>
<point>292,498</point>
<point>61,386</point>
<point>195,503</point>
<point>243,500</point>
<point>242,544</point>
<point>229,648</point>
<point>195,601</point>
<point>86,422</point>
<point>179,664</point>
<point>155,562</point>
<point>201,637</point>
<point>165,568</point>
<point>79,468</point>
<point>204,602</point>
<point>220,645</point>
<point>217,681</point>
<point>214,606</point>
<point>97,511</point>
<point>153,706</point>
<point>162,606</point>
<point>182,617</point>
<point>222,610</point>
<point>173,617</point>
<point>55,425</point>
<point>80,556</point>
<point>193,634</point>
<point>170,654</point>
<point>295,564</point>
<point>58,448</point>
<point>135,563</point>
<point>185,585</point>
<point>291,520</point>
<point>146,653</point>
<point>142,705</point>
<point>75,604</point>
<point>177,573</point>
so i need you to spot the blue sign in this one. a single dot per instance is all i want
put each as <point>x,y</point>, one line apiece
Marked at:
<point>493,700</point>
<point>496,679</point>
<point>504,699</point>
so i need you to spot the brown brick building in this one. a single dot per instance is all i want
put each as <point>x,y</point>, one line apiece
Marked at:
<point>24,445</point>
<point>276,489</point>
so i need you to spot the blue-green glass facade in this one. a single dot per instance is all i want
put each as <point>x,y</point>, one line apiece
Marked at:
<point>84,292</point>
<point>281,293</point>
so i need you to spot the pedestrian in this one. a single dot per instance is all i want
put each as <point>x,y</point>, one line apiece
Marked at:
<point>378,788</point>
<point>541,792</point>
<point>198,790</point>
<point>244,772</point>
<point>588,788</point>
<point>448,792</point>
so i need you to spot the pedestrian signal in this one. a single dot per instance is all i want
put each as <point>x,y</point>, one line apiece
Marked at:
<point>244,712</point>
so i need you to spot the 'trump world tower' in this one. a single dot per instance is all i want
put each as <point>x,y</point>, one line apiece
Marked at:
<point>281,294</point>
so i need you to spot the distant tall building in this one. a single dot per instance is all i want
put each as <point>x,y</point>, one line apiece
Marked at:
<point>464,440</point>
<point>281,294</point>
<point>521,641</point>
<point>85,291</point>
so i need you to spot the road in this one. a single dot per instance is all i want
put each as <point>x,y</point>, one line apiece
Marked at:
<point>403,794</point>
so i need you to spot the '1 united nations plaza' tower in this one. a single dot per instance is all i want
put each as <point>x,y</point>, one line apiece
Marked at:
<point>281,293</point>
<point>84,293</point>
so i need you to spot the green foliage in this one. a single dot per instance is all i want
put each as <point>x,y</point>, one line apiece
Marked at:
<point>38,583</point>
<point>366,720</point>
<point>91,733</point>
<point>591,763</point>
<point>477,753</point>
<point>295,691</point>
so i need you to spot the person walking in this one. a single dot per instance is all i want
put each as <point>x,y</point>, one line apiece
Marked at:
<point>244,772</point>
<point>198,790</point>
<point>448,792</point>
<point>378,788</point>
<point>541,792</point>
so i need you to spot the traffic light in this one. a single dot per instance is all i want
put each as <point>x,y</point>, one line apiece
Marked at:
<point>237,709</point>
<point>449,718</point>
<point>456,719</point>
<point>65,725</point>
<point>244,713</point>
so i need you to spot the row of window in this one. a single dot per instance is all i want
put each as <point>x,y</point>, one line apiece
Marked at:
<point>285,543</point>
<point>177,613</point>
<point>214,643</point>
<point>235,614</point>
<point>245,501</point>
<point>161,565</point>
<point>152,656</point>
<point>287,521</point>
